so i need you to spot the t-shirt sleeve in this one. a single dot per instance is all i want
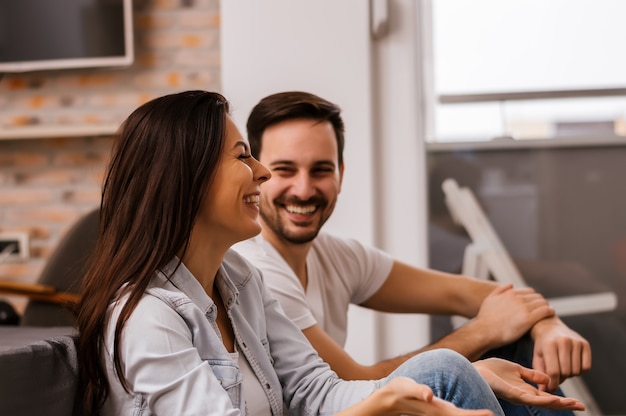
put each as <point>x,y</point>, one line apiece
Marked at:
<point>280,279</point>
<point>362,268</point>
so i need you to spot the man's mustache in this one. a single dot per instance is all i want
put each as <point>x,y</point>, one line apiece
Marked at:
<point>315,200</point>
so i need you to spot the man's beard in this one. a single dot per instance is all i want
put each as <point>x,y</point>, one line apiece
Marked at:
<point>278,227</point>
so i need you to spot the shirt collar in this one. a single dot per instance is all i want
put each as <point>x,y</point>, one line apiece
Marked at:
<point>183,280</point>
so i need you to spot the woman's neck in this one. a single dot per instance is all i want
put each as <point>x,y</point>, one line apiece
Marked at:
<point>205,253</point>
<point>203,261</point>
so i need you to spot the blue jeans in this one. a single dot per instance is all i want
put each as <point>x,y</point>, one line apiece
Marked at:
<point>521,352</point>
<point>451,377</point>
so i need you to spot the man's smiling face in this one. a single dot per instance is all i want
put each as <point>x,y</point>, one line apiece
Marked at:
<point>306,179</point>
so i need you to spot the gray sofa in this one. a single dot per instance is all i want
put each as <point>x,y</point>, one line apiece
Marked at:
<point>38,371</point>
<point>38,359</point>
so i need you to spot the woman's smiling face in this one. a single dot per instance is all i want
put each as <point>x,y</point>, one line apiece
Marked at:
<point>231,208</point>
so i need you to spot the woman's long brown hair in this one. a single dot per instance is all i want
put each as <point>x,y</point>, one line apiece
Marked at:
<point>161,168</point>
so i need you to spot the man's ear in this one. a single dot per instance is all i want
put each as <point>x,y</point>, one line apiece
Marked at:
<point>341,175</point>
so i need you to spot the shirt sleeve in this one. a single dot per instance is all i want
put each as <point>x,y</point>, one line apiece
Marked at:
<point>309,384</point>
<point>161,364</point>
<point>361,268</point>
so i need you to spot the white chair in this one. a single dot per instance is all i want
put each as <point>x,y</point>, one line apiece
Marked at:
<point>487,257</point>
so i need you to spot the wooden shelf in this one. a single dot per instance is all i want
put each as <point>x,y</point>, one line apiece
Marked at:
<point>56,131</point>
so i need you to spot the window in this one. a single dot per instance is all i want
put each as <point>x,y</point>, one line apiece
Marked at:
<point>528,69</point>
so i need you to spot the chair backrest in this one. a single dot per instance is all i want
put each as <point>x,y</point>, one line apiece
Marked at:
<point>64,271</point>
<point>466,210</point>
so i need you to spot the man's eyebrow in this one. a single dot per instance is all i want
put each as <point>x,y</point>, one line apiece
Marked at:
<point>325,162</point>
<point>291,162</point>
<point>282,162</point>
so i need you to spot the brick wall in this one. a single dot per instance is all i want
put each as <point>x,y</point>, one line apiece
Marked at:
<point>48,183</point>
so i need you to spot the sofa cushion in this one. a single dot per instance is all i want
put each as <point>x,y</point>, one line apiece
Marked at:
<point>40,378</point>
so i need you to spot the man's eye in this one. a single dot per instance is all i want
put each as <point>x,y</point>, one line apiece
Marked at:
<point>282,169</point>
<point>322,171</point>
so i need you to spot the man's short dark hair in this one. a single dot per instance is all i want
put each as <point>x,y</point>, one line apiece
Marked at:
<point>293,105</point>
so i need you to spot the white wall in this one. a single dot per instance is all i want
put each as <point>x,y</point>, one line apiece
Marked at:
<point>324,47</point>
<point>278,45</point>
<point>400,163</point>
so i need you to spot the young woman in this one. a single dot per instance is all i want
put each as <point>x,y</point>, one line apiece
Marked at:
<point>173,322</point>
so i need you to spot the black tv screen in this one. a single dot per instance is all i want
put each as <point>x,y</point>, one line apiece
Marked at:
<point>54,34</point>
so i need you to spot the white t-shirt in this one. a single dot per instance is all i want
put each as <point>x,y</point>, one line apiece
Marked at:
<point>340,271</point>
<point>256,400</point>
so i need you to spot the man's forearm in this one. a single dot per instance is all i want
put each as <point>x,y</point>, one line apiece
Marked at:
<point>467,341</point>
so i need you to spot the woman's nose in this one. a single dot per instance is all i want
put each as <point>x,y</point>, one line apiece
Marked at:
<point>261,172</point>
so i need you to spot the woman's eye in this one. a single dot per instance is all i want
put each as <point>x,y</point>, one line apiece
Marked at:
<point>245,156</point>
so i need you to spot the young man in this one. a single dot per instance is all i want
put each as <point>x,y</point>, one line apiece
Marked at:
<point>315,276</point>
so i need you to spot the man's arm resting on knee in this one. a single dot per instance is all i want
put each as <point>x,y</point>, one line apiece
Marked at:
<point>467,340</point>
<point>502,314</point>
<point>464,339</point>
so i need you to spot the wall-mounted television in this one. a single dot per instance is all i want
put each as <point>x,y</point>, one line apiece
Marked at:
<point>56,34</point>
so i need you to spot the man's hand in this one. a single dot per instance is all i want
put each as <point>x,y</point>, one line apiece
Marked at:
<point>559,352</point>
<point>508,381</point>
<point>506,314</point>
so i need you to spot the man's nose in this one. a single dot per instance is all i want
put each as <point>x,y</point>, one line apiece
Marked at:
<point>303,186</point>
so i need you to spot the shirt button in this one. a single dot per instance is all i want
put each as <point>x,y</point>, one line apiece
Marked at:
<point>267,386</point>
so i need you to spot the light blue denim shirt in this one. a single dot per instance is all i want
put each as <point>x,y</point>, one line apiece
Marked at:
<point>176,364</point>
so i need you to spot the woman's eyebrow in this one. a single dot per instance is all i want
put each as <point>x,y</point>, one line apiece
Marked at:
<point>242,143</point>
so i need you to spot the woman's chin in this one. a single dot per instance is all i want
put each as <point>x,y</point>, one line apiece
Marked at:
<point>252,232</point>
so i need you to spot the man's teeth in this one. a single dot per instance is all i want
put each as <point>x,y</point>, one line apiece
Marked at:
<point>252,199</point>
<point>298,209</point>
